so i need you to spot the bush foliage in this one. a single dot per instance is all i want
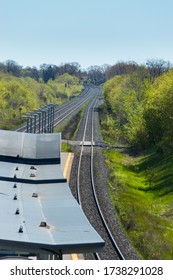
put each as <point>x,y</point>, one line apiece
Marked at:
<point>139,111</point>
<point>20,95</point>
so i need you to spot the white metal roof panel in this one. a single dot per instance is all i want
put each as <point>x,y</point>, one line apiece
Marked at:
<point>26,145</point>
<point>52,171</point>
<point>67,228</point>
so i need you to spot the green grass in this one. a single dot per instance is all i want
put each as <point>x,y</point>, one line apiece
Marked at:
<point>141,189</point>
<point>66,148</point>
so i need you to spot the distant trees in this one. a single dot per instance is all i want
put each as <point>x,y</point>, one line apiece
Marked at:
<point>121,68</point>
<point>97,74</point>
<point>94,74</point>
<point>13,68</point>
<point>31,72</point>
<point>156,67</point>
<point>152,69</point>
<point>45,72</point>
<point>73,68</point>
<point>48,72</point>
<point>2,67</point>
<point>139,107</point>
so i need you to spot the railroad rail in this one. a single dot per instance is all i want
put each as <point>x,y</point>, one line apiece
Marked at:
<point>88,144</point>
<point>46,118</point>
<point>107,232</point>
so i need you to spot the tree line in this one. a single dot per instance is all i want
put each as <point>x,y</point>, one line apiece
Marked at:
<point>46,72</point>
<point>93,74</point>
<point>139,105</point>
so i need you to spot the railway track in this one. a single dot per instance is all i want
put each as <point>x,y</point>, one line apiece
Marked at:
<point>89,173</point>
<point>99,217</point>
<point>61,114</point>
<point>86,190</point>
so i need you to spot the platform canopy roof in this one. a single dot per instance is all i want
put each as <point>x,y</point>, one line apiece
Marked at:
<point>28,145</point>
<point>38,212</point>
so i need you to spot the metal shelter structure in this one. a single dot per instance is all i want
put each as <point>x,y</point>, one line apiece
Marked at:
<point>38,214</point>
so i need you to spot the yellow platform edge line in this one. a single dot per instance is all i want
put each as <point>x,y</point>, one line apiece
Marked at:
<point>73,256</point>
<point>66,165</point>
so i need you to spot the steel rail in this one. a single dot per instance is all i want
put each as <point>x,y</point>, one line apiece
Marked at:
<point>81,154</point>
<point>78,101</point>
<point>114,244</point>
<point>73,109</point>
<point>70,103</point>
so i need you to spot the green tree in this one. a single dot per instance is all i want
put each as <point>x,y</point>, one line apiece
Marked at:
<point>125,98</point>
<point>158,112</point>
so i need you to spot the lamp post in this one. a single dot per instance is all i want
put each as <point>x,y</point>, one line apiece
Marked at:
<point>43,112</point>
<point>52,116</point>
<point>52,113</point>
<point>29,122</point>
<point>39,120</point>
<point>50,110</point>
<point>31,118</point>
<point>35,122</point>
<point>46,125</point>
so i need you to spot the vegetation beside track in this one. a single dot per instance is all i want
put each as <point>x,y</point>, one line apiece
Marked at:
<point>141,191</point>
<point>138,112</point>
<point>65,147</point>
<point>20,95</point>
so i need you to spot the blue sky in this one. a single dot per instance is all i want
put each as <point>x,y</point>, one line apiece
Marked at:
<point>90,32</point>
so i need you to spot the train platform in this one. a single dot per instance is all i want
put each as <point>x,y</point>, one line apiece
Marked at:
<point>66,164</point>
<point>39,215</point>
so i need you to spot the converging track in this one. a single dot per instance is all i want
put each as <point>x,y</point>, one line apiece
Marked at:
<point>87,190</point>
<point>88,179</point>
<point>99,217</point>
<point>61,113</point>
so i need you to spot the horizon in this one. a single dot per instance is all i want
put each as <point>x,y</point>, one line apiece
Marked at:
<point>84,69</point>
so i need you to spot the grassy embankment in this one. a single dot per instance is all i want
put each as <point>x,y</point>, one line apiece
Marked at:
<point>141,191</point>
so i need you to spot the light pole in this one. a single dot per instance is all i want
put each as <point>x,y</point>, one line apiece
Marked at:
<point>31,118</point>
<point>29,122</point>
<point>52,113</point>
<point>52,116</point>
<point>43,112</point>
<point>39,121</point>
<point>35,122</point>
